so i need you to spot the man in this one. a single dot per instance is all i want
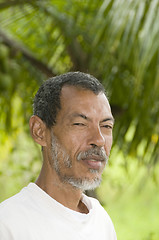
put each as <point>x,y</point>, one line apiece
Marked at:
<point>73,123</point>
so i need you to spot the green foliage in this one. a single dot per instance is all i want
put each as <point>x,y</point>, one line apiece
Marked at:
<point>21,163</point>
<point>131,197</point>
<point>115,41</point>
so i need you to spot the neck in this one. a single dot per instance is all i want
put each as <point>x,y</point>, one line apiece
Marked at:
<point>63,193</point>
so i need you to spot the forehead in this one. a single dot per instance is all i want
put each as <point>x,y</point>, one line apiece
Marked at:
<point>81,101</point>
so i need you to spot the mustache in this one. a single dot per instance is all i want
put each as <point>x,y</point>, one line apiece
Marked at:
<point>99,152</point>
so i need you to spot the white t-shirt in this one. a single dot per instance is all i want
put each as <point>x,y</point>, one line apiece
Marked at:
<point>33,215</point>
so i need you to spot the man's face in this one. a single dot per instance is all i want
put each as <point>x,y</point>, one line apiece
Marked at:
<point>82,137</point>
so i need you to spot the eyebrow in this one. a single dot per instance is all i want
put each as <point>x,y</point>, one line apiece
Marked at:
<point>108,119</point>
<point>89,119</point>
<point>81,115</point>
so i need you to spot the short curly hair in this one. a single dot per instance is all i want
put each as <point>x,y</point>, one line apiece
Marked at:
<point>47,99</point>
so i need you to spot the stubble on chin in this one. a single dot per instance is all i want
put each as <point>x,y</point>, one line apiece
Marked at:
<point>83,184</point>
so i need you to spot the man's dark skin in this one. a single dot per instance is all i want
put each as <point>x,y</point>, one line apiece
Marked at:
<point>84,121</point>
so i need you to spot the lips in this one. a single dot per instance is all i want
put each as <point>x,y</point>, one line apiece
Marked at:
<point>93,162</point>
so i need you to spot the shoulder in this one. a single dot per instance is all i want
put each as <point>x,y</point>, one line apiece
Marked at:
<point>13,205</point>
<point>13,214</point>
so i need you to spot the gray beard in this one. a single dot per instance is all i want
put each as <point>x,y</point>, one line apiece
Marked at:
<point>78,183</point>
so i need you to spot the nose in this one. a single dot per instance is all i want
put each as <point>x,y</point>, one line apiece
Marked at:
<point>96,138</point>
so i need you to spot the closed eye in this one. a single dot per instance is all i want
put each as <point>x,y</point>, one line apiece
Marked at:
<point>79,124</point>
<point>107,126</point>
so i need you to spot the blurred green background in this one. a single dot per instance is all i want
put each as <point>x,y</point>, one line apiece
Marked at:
<point>117,42</point>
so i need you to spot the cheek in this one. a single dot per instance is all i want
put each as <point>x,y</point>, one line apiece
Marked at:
<point>76,143</point>
<point>108,145</point>
<point>72,143</point>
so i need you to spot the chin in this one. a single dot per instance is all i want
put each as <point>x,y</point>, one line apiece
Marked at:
<point>85,183</point>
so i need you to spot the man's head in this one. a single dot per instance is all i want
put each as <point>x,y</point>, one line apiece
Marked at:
<point>47,99</point>
<point>73,122</point>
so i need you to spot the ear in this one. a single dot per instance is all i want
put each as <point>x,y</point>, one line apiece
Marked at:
<point>38,130</point>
